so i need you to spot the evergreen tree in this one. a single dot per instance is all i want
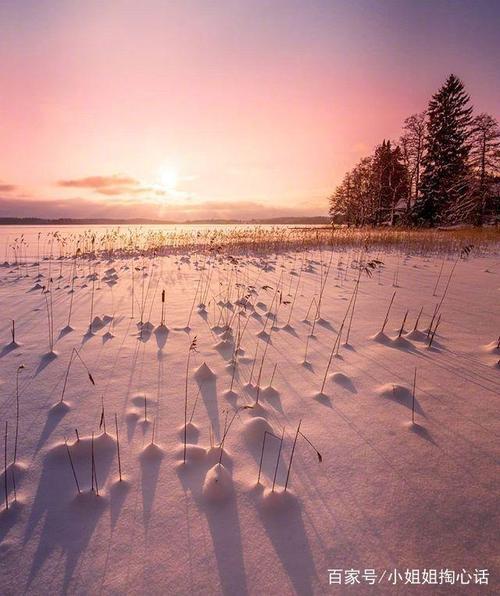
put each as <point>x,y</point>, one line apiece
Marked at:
<point>445,176</point>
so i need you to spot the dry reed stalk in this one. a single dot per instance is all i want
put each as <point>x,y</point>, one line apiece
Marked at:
<point>162,308</point>
<point>92,294</point>
<point>402,328</point>
<point>354,298</point>
<point>262,364</point>
<point>94,470</point>
<point>435,329</point>
<point>5,465</point>
<point>387,314</point>
<point>266,432</point>
<point>75,352</point>
<point>466,250</point>
<point>132,269</point>
<point>118,448</point>
<point>308,338</point>
<point>19,369</point>
<point>432,320</point>
<point>192,305</point>
<point>272,376</point>
<point>72,291</point>
<point>413,397</point>
<point>335,346</point>
<point>291,456</point>
<point>323,284</point>
<point>313,301</point>
<point>294,298</point>
<point>418,318</point>
<point>72,465</point>
<point>278,458</point>
<point>192,348</point>
<point>439,276</point>
<point>227,427</point>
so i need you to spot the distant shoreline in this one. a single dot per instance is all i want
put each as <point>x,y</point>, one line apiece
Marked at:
<point>35,221</point>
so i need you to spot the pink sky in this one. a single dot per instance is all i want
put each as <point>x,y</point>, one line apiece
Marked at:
<point>195,109</point>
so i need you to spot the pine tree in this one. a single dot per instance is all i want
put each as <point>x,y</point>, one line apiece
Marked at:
<point>445,161</point>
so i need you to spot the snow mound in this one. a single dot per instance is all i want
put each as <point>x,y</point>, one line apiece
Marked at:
<point>193,453</point>
<point>231,395</point>
<point>254,429</point>
<point>204,373</point>
<point>60,408</point>
<point>192,432</point>
<point>269,392</point>
<point>340,378</point>
<point>138,400</point>
<point>213,455</point>
<point>278,500</point>
<point>263,335</point>
<point>394,391</point>
<point>343,380</point>
<point>380,337</point>
<point>492,348</point>
<point>97,323</point>
<point>416,335</point>
<point>224,346</point>
<point>218,485</point>
<point>151,453</point>
<point>82,448</point>
<point>147,327</point>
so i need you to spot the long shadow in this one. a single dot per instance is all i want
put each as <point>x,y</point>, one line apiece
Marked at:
<point>150,459</point>
<point>289,329</point>
<point>325,324</point>
<point>161,334</point>
<point>54,416</point>
<point>208,391</point>
<point>284,526</point>
<point>145,332</point>
<point>273,396</point>
<point>421,431</point>
<point>69,518</point>
<point>45,360</point>
<point>117,495</point>
<point>8,348</point>
<point>402,395</point>
<point>223,522</point>
<point>8,518</point>
<point>64,331</point>
<point>343,381</point>
<point>225,530</point>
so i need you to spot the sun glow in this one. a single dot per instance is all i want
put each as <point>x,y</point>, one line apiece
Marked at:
<point>168,178</point>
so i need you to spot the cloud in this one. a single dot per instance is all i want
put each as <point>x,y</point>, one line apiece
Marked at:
<point>116,185</point>
<point>99,182</point>
<point>7,188</point>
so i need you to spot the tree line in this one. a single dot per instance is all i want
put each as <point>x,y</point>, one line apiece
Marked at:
<point>444,169</point>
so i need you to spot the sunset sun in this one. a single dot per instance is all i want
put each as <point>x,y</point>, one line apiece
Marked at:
<point>168,178</point>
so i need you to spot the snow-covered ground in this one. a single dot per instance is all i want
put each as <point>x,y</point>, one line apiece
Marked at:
<point>389,495</point>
